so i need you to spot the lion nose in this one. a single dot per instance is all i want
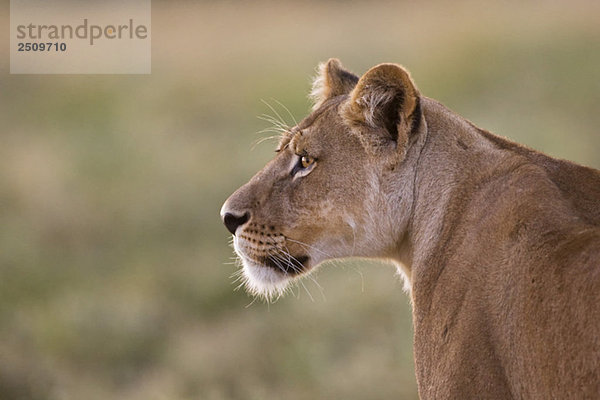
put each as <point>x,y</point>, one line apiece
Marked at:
<point>232,221</point>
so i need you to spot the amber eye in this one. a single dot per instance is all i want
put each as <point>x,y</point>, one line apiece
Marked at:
<point>303,166</point>
<point>306,161</point>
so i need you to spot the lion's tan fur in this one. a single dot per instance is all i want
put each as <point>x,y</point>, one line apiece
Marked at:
<point>499,244</point>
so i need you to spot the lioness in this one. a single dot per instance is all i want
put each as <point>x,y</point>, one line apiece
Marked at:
<point>498,244</point>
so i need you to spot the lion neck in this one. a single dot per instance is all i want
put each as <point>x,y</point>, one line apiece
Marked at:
<point>452,163</point>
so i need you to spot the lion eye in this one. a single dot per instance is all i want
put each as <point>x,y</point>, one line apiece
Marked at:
<point>306,161</point>
<point>303,166</point>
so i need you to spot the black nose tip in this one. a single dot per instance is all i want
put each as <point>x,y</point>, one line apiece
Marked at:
<point>232,222</point>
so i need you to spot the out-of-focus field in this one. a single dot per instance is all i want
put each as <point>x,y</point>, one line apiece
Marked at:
<point>114,267</point>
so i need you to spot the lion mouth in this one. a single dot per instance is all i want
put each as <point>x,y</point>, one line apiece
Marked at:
<point>287,265</point>
<point>268,271</point>
<point>275,263</point>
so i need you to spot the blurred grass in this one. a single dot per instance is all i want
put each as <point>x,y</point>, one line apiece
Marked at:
<point>113,274</point>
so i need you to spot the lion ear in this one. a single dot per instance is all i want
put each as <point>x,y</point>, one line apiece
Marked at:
<point>332,80</point>
<point>385,98</point>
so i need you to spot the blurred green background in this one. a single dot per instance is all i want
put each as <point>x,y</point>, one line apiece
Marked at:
<point>114,267</point>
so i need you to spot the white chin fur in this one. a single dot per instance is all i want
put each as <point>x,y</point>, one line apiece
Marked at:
<point>263,281</point>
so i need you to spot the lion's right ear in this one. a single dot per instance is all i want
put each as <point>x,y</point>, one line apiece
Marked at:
<point>332,80</point>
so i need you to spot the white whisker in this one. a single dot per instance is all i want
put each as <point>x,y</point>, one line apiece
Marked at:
<point>312,278</point>
<point>262,140</point>
<point>287,110</point>
<point>276,113</point>
<point>308,246</point>
<point>276,123</point>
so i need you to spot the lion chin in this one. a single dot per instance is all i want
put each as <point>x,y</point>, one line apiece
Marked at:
<point>262,280</point>
<point>269,277</point>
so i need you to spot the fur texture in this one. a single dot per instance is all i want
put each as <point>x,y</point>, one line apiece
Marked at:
<point>498,244</point>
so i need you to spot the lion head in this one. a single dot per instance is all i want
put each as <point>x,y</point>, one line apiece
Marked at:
<point>341,184</point>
